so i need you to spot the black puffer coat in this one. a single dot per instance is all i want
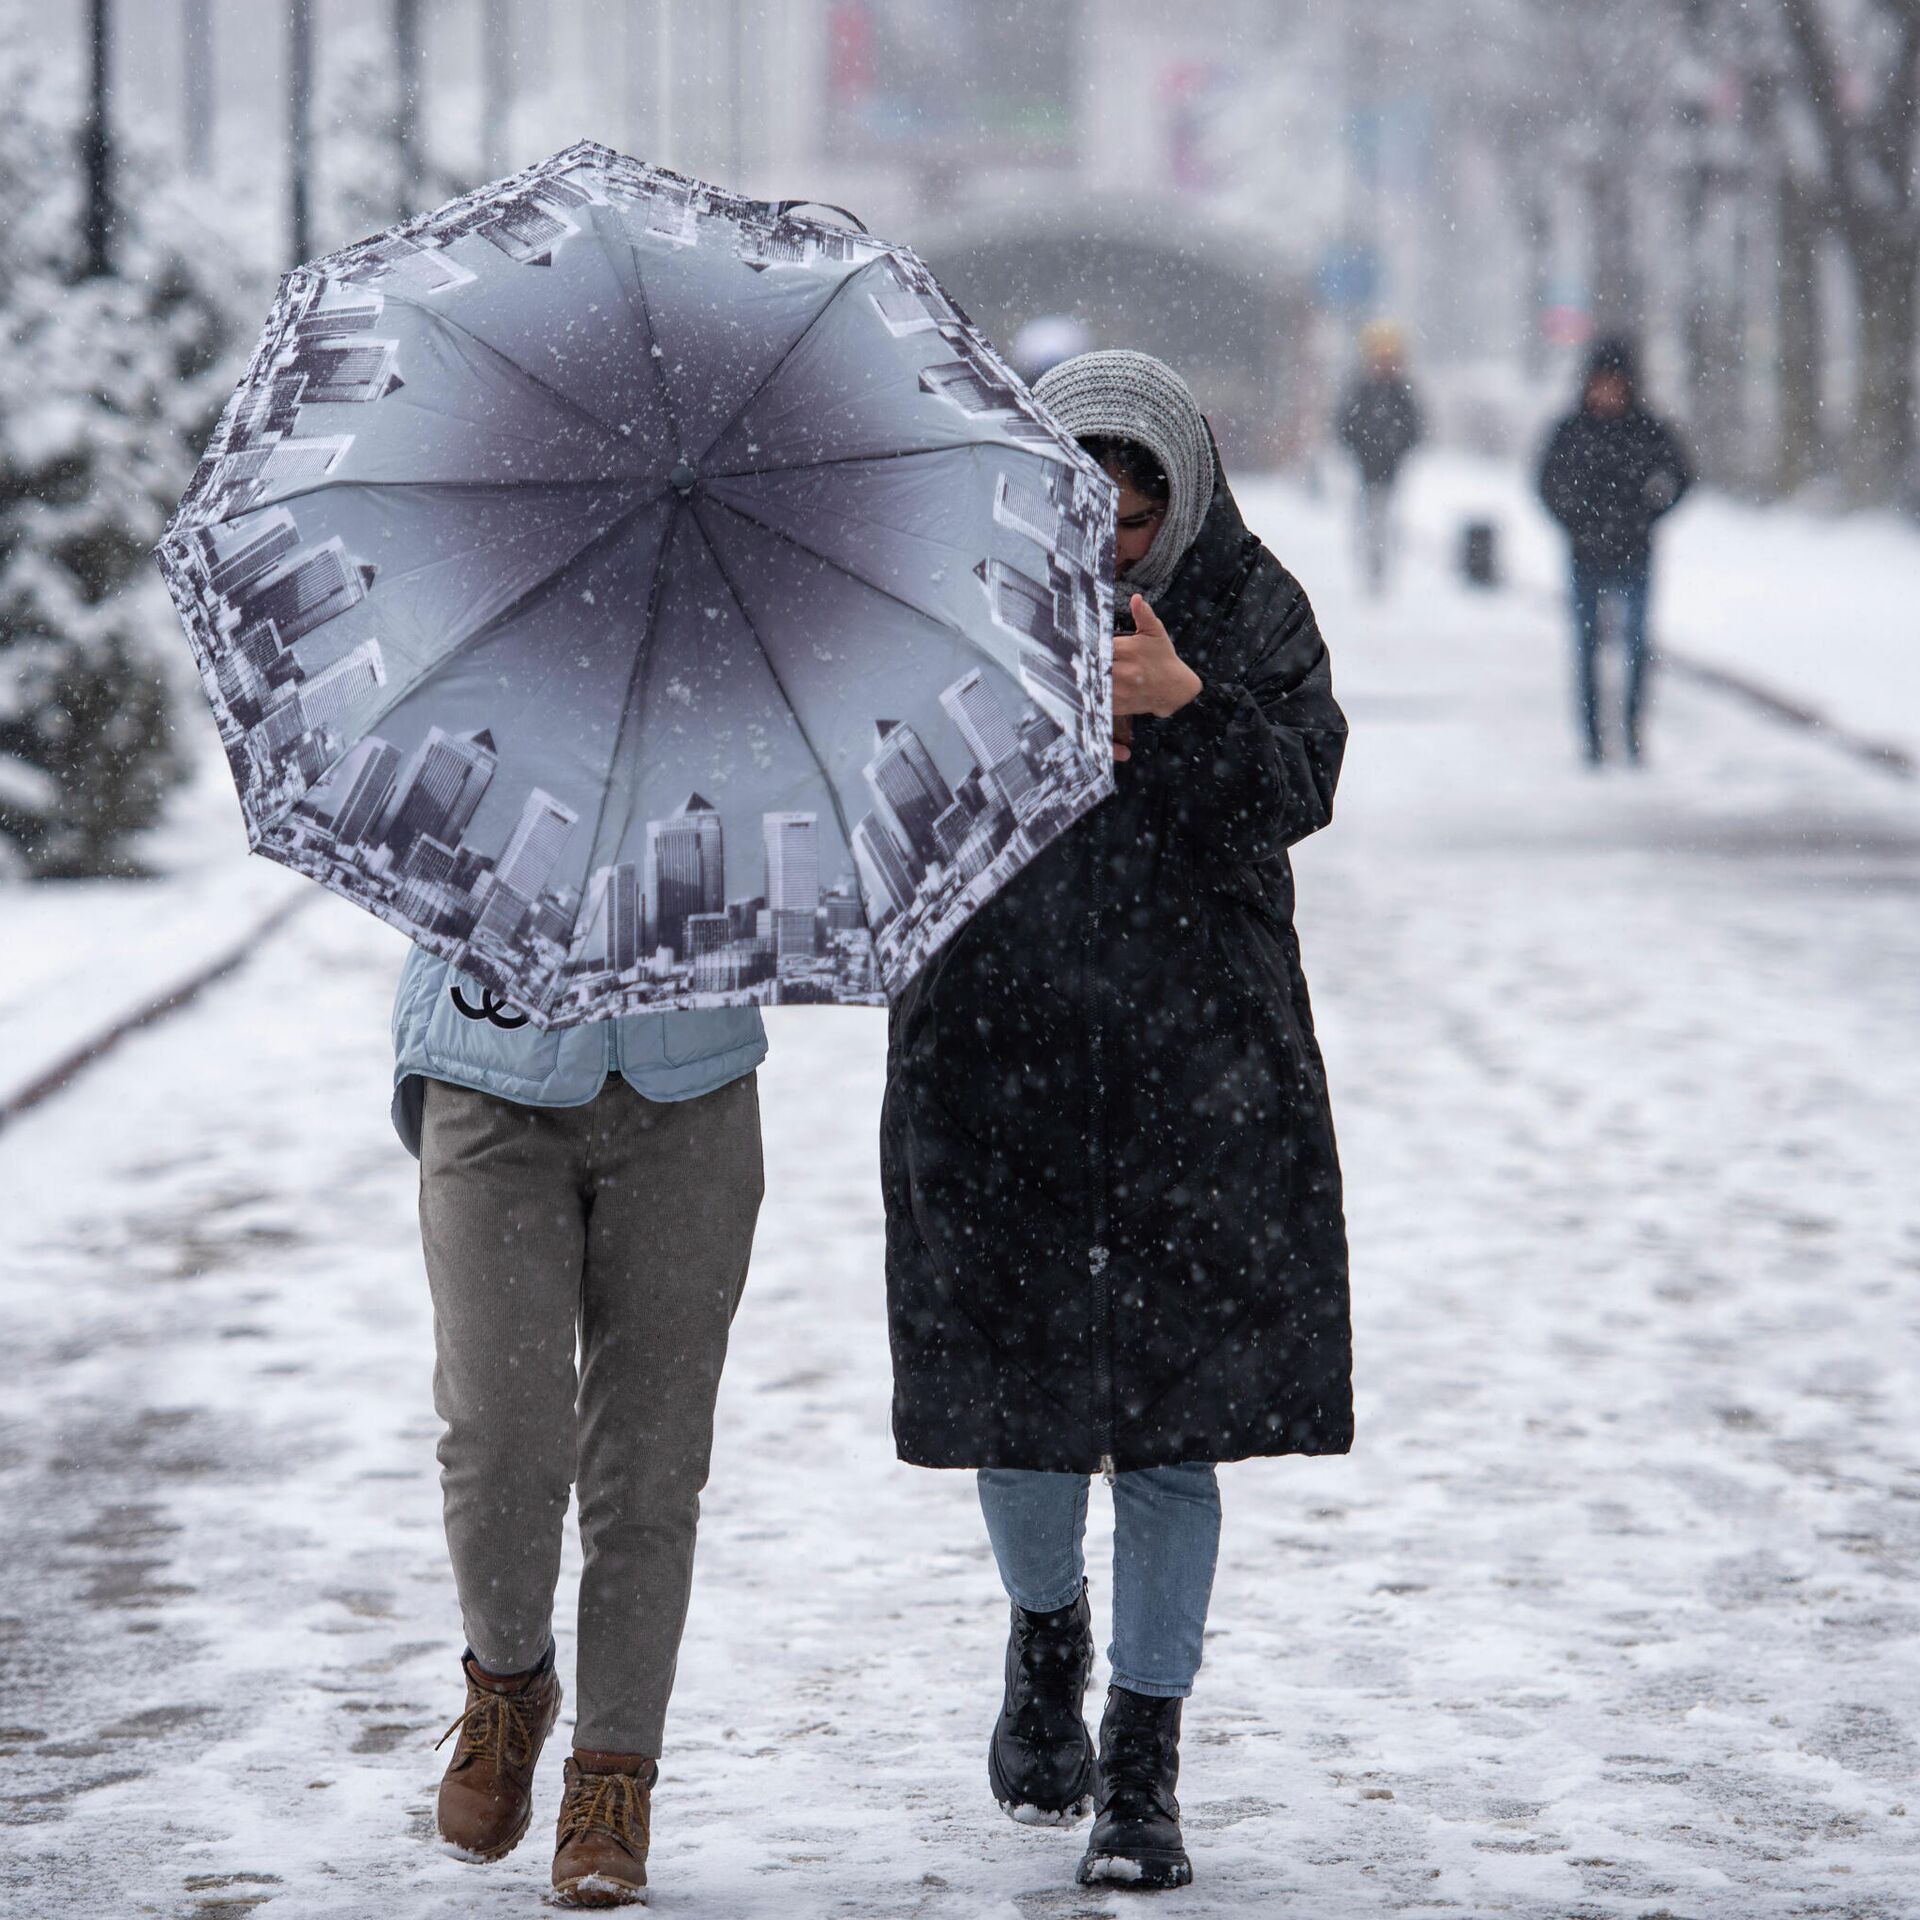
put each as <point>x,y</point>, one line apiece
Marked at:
<point>1114,1230</point>
<point>1608,481</point>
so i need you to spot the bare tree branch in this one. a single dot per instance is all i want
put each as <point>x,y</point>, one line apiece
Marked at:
<point>1869,165</point>
<point>1820,79</point>
<point>1894,125</point>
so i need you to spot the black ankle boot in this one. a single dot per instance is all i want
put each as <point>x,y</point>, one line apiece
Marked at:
<point>1040,1761</point>
<point>1136,1839</point>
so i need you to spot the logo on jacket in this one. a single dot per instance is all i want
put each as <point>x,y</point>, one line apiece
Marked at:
<point>491,1007</point>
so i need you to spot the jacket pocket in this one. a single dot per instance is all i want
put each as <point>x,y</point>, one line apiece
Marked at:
<point>471,1040</point>
<point>708,1032</point>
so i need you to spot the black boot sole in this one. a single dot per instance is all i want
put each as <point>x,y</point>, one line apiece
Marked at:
<point>1147,1873</point>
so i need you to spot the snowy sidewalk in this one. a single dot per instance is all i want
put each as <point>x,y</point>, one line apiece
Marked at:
<point>82,958</point>
<point>1610,1614</point>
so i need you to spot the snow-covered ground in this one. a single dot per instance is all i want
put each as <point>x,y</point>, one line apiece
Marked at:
<point>1610,1615</point>
<point>79,959</point>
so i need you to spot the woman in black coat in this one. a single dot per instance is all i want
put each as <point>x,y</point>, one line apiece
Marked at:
<point>1114,1232</point>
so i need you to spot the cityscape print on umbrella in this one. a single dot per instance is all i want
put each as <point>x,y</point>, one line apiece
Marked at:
<point>346,774</point>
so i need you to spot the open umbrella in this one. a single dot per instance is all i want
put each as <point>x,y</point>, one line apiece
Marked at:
<point>647,597</point>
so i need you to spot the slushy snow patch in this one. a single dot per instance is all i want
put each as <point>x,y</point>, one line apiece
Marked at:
<point>1032,1816</point>
<point>602,1890</point>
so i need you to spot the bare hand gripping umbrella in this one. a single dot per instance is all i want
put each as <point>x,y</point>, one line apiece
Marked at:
<point>646,597</point>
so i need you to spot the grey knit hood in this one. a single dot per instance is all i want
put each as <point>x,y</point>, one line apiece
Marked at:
<point>1136,397</point>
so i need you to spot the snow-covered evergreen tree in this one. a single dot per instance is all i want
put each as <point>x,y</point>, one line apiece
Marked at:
<point>108,389</point>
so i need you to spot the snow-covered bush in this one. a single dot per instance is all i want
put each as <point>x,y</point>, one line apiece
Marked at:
<point>108,389</point>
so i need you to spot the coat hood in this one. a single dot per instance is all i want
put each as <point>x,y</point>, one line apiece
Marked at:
<point>1133,396</point>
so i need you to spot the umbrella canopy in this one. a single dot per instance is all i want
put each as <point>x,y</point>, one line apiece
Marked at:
<point>646,597</point>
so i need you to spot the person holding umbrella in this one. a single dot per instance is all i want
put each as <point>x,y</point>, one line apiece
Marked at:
<point>1114,1230</point>
<point>596,1186</point>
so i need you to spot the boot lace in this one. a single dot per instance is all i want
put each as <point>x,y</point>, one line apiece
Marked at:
<point>494,1727</point>
<point>1132,1768</point>
<point>607,1803</point>
<point>1053,1668</point>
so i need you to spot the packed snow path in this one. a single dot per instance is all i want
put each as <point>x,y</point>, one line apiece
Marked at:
<point>1611,1612</point>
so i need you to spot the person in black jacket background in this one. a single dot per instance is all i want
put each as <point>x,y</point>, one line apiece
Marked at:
<point>1610,471</point>
<point>1380,424</point>
<point>1114,1229</point>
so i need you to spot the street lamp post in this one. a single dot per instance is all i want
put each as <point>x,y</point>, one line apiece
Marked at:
<point>496,81</point>
<point>196,24</point>
<point>96,143</point>
<point>406,116</point>
<point>299,125</point>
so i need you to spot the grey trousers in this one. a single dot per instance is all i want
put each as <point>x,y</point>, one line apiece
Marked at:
<point>623,1226</point>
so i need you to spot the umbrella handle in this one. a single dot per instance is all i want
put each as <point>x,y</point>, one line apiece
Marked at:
<point>785,207</point>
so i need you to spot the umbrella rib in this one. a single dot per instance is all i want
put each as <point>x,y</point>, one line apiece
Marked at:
<point>773,372</point>
<point>514,607</point>
<point>840,566</point>
<point>655,352</point>
<point>450,486</point>
<point>643,660</point>
<point>526,373</point>
<point>813,752</point>
<point>847,460</point>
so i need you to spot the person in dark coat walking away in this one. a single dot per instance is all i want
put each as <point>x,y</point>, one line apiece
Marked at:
<point>1380,425</point>
<point>1610,471</point>
<point>1114,1229</point>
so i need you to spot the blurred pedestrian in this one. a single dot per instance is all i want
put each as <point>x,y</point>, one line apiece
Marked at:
<point>593,1188</point>
<point>1610,471</point>
<point>1380,424</point>
<point>1114,1234</point>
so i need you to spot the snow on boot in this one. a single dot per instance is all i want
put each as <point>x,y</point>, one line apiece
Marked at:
<point>600,1846</point>
<point>1136,1837</point>
<point>1040,1760</point>
<point>486,1793</point>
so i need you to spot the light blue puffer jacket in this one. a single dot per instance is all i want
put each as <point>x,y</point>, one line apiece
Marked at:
<point>665,1056</point>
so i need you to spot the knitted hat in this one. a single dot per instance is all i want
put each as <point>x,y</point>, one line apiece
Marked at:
<point>1615,353</point>
<point>1133,396</point>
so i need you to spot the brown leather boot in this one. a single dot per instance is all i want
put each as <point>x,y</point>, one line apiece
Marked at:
<point>600,1850</point>
<point>486,1793</point>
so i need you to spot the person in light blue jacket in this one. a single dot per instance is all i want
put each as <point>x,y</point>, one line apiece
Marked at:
<point>591,1190</point>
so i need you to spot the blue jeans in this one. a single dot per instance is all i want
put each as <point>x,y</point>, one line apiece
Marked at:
<point>1628,587</point>
<point>1166,1539</point>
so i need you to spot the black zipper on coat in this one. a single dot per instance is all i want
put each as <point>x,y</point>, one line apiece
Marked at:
<point>1099,1255</point>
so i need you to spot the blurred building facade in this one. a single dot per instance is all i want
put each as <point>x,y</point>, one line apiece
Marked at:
<point>1058,157</point>
<point>1236,184</point>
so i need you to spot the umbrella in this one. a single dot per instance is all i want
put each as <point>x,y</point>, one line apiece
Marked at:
<point>647,597</point>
